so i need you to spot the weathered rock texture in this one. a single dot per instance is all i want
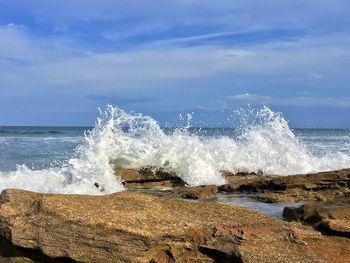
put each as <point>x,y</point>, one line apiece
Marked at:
<point>334,221</point>
<point>323,186</point>
<point>136,227</point>
<point>317,186</point>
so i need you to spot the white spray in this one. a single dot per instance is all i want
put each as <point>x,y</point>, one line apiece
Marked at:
<point>127,140</point>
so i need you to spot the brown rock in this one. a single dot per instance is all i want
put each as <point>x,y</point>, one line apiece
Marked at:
<point>335,221</point>
<point>336,227</point>
<point>321,186</point>
<point>136,227</point>
<point>196,192</point>
<point>148,178</point>
<point>275,198</point>
<point>305,213</point>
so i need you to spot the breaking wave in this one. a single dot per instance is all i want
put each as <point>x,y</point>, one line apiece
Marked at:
<point>128,140</point>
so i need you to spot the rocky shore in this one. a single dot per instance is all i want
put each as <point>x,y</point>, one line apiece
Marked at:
<point>134,226</point>
<point>138,227</point>
<point>323,186</point>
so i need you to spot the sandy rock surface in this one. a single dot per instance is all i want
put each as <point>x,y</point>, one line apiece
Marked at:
<point>137,227</point>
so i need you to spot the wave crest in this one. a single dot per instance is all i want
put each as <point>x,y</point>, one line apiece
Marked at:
<point>132,140</point>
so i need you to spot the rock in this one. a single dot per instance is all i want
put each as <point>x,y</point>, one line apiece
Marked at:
<point>323,186</point>
<point>251,183</point>
<point>336,227</point>
<point>148,178</point>
<point>306,213</point>
<point>334,221</point>
<point>196,192</point>
<point>137,227</point>
<point>275,198</point>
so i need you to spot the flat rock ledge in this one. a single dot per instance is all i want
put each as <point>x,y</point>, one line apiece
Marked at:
<point>138,227</point>
<point>323,186</point>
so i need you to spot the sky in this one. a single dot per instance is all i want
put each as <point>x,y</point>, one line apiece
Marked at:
<point>60,60</point>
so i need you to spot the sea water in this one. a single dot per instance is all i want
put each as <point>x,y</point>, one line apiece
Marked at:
<point>73,159</point>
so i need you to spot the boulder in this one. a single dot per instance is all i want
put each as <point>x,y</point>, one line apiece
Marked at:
<point>137,227</point>
<point>307,213</point>
<point>332,220</point>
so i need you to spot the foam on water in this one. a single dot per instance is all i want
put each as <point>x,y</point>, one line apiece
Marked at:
<point>126,140</point>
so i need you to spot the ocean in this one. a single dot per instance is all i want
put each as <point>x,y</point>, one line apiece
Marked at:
<point>72,159</point>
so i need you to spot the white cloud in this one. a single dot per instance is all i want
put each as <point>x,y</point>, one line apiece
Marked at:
<point>36,62</point>
<point>127,47</point>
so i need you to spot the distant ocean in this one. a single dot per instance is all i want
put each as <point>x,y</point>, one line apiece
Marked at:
<point>71,159</point>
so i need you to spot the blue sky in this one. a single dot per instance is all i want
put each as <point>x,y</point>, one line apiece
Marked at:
<point>60,59</point>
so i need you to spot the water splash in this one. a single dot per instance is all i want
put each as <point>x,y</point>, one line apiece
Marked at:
<point>266,143</point>
<point>130,140</point>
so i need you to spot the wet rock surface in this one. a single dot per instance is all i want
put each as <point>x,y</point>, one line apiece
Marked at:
<point>148,178</point>
<point>323,186</point>
<point>138,227</point>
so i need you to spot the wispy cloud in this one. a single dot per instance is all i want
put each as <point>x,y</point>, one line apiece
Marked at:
<point>295,101</point>
<point>119,19</point>
<point>195,38</point>
<point>35,62</point>
<point>190,52</point>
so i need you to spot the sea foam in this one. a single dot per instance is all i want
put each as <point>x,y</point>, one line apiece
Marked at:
<point>128,140</point>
